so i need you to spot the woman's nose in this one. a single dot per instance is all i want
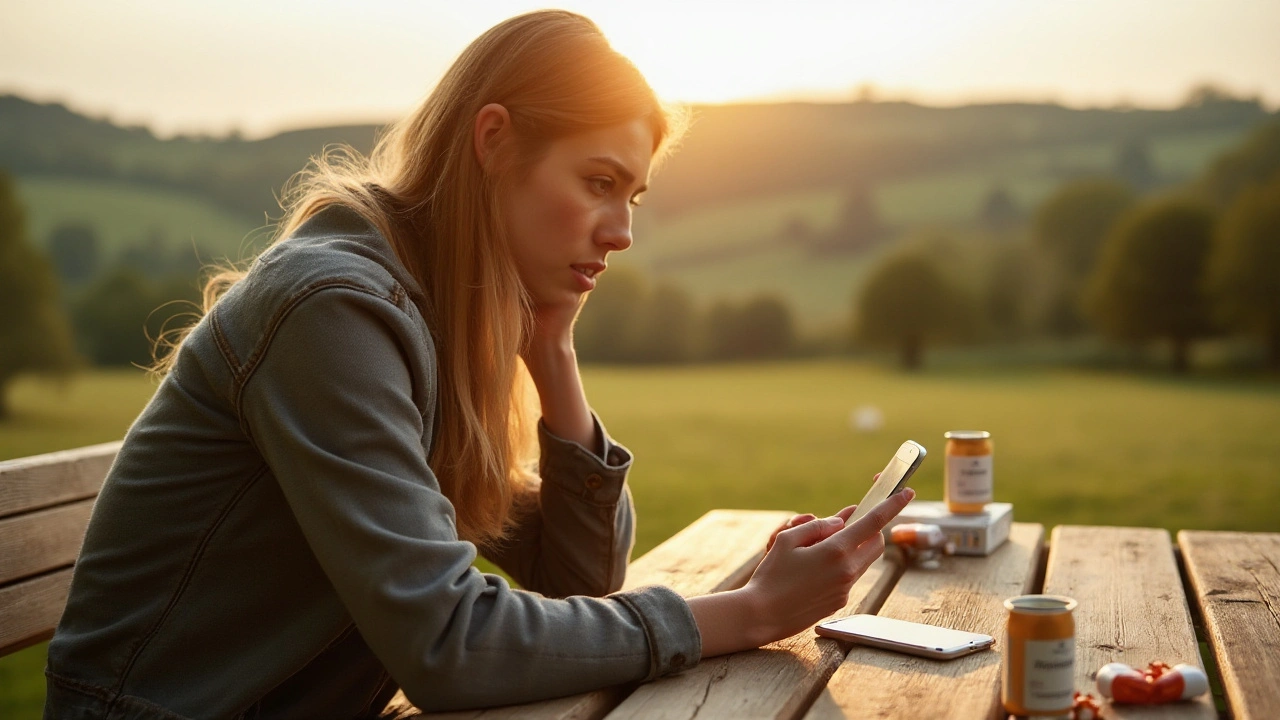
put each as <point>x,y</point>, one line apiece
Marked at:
<point>615,232</point>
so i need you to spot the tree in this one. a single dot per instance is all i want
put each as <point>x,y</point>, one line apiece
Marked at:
<point>857,228</point>
<point>1244,265</point>
<point>34,336</point>
<point>1004,298</point>
<point>121,315</point>
<point>1133,164</point>
<point>606,329</point>
<point>1254,162</point>
<point>906,303</point>
<point>667,327</point>
<point>999,210</point>
<point>758,329</point>
<point>74,250</point>
<point>178,305</point>
<point>1207,93</point>
<point>796,230</point>
<point>148,255</point>
<point>111,319</point>
<point>1150,280</point>
<point>1069,228</point>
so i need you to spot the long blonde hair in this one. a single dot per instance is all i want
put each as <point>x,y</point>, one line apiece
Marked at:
<point>425,190</point>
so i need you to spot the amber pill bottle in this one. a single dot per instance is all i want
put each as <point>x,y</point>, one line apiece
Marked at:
<point>967,481</point>
<point>1038,674</point>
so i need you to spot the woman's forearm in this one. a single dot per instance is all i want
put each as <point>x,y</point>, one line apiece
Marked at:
<point>729,622</point>
<point>554,370</point>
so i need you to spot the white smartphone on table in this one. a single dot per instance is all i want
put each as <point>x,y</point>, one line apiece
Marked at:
<point>893,478</point>
<point>912,638</point>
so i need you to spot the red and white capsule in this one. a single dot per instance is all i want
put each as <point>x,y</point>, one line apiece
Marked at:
<point>1159,683</point>
<point>922,536</point>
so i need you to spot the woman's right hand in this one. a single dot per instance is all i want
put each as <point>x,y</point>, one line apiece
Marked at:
<point>805,576</point>
<point>797,520</point>
<point>809,571</point>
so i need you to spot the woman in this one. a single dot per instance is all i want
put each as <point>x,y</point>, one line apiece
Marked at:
<point>290,526</point>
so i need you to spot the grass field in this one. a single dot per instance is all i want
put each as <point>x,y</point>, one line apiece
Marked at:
<point>1071,446</point>
<point>125,214</point>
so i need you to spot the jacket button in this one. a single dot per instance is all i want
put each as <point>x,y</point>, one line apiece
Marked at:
<point>594,481</point>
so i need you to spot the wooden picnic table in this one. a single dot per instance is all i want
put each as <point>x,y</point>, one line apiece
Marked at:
<point>1132,585</point>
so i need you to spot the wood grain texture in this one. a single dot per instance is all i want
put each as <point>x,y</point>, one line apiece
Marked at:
<point>778,680</point>
<point>718,551</point>
<point>1236,580</point>
<point>30,610</point>
<point>1132,608</point>
<point>966,593</point>
<point>44,540</point>
<point>40,481</point>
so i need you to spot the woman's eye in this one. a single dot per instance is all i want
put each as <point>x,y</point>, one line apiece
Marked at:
<point>637,200</point>
<point>601,185</point>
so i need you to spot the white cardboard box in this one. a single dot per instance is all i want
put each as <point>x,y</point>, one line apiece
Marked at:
<point>977,534</point>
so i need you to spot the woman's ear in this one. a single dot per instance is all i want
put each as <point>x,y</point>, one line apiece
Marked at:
<point>493,125</point>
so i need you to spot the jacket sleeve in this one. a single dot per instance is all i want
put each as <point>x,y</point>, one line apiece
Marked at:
<point>330,405</point>
<point>576,533</point>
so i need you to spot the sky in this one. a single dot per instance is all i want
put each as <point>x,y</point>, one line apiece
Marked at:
<point>261,66</point>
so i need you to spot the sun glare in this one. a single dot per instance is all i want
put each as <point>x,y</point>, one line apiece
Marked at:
<point>267,67</point>
<point>707,54</point>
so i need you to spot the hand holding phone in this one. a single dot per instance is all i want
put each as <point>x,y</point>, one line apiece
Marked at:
<point>893,478</point>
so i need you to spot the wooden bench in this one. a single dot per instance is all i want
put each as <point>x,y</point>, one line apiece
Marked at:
<point>1132,584</point>
<point>45,503</point>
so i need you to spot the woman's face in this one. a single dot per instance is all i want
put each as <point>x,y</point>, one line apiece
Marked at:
<point>574,207</point>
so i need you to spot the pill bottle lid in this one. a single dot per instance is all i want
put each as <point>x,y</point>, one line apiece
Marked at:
<point>966,435</point>
<point>1040,604</point>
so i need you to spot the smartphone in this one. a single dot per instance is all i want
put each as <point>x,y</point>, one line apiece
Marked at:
<point>909,637</point>
<point>893,478</point>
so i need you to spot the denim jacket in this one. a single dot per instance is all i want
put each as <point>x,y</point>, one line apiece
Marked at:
<point>271,541</point>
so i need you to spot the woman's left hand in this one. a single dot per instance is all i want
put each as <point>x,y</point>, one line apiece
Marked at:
<point>553,365</point>
<point>552,332</point>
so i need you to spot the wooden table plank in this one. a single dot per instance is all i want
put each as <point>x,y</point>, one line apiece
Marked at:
<point>779,680</point>
<point>719,551</point>
<point>1236,580</point>
<point>965,593</point>
<point>1132,608</point>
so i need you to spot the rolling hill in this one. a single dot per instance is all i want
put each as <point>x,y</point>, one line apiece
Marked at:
<point>725,211</point>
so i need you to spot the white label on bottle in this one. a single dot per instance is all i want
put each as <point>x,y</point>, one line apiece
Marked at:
<point>969,478</point>
<point>1049,674</point>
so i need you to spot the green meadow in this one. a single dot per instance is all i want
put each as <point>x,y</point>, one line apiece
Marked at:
<point>1072,446</point>
<point>126,214</point>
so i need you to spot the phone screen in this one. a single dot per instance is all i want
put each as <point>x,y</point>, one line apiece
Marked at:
<point>902,632</point>
<point>892,478</point>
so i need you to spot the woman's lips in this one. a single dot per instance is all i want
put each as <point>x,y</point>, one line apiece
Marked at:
<point>587,274</point>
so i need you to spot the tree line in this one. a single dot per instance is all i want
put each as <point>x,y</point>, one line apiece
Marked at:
<point>1200,261</point>
<point>795,146</point>
<point>1100,257</point>
<point>629,320</point>
<point>1195,262</point>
